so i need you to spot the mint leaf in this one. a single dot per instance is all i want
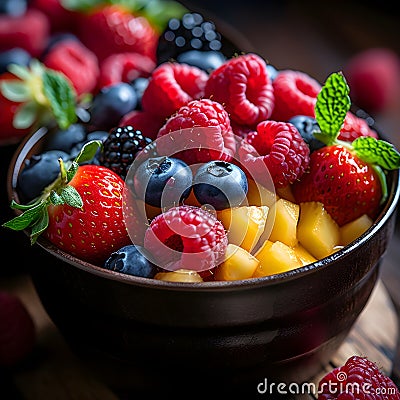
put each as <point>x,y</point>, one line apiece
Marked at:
<point>61,96</point>
<point>378,152</point>
<point>333,103</point>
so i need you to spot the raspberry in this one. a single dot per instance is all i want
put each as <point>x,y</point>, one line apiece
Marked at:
<point>124,67</point>
<point>76,62</point>
<point>217,142</point>
<point>144,122</point>
<point>186,237</point>
<point>277,146</point>
<point>17,330</point>
<point>358,379</point>
<point>295,94</point>
<point>29,31</point>
<point>172,85</point>
<point>354,127</point>
<point>243,86</point>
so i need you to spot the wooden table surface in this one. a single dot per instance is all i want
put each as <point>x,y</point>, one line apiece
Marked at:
<point>54,372</point>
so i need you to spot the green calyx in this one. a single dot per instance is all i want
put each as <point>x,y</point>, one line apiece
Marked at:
<point>35,215</point>
<point>45,96</point>
<point>333,103</point>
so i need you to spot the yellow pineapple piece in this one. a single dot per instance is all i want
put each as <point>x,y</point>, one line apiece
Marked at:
<point>353,229</point>
<point>180,275</point>
<point>238,264</point>
<point>303,255</point>
<point>274,258</point>
<point>258,195</point>
<point>316,230</point>
<point>244,224</point>
<point>284,226</point>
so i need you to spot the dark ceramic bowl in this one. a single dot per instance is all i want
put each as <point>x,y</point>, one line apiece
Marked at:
<point>151,333</point>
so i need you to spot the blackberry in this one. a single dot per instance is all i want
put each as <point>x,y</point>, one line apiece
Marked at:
<point>120,148</point>
<point>191,32</point>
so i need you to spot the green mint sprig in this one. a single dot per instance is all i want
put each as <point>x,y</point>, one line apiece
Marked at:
<point>45,96</point>
<point>35,215</point>
<point>332,105</point>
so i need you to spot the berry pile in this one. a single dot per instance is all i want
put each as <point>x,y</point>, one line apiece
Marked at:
<point>232,171</point>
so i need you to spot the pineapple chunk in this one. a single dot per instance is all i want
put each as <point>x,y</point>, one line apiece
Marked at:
<point>275,257</point>
<point>284,226</point>
<point>258,195</point>
<point>353,229</point>
<point>303,255</point>
<point>244,224</point>
<point>316,230</point>
<point>180,275</point>
<point>238,264</point>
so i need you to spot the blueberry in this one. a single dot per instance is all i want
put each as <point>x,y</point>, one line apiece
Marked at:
<point>14,56</point>
<point>65,139</point>
<point>272,72</point>
<point>14,8</point>
<point>308,126</point>
<point>163,181</point>
<point>39,171</point>
<point>111,104</point>
<point>205,60</point>
<point>140,85</point>
<point>220,184</point>
<point>131,260</point>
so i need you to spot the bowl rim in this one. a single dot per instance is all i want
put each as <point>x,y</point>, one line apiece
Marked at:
<point>30,140</point>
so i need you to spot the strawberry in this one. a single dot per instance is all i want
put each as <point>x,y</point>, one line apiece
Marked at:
<point>347,178</point>
<point>114,29</point>
<point>8,133</point>
<point>81,212</point>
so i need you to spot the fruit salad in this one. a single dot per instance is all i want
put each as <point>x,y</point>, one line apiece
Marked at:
<point>170,155</point>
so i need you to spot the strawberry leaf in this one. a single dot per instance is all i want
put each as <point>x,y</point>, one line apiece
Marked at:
<point>333,103</point>
<point>71,196</point>
<point>40,225</point>
<point>72,171</point>
<point>27,218</point>
<point>55,198</point>
<point>88,151</point>
<point>378,152</point>
<point>25,115</point>
<point>15,90</point>
<point>62,97</point>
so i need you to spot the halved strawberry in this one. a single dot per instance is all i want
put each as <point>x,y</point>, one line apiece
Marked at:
<point>81,212</point>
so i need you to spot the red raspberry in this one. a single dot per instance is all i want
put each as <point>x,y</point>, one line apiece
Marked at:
<point>358,379</point>
<point>186,237</point>
<point>295,94</point>
<point>113,29</point>
<point>76,62</point>
<point>354,127</point>
<point>243,86</point>
<point>185,129</point>
<point>29,31</point>
<point>144,122</point>
<point>172,85</point>
<point>278,147</point>
<point>17,330</point>
<point>60,18</point>
<point>124,67</point>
